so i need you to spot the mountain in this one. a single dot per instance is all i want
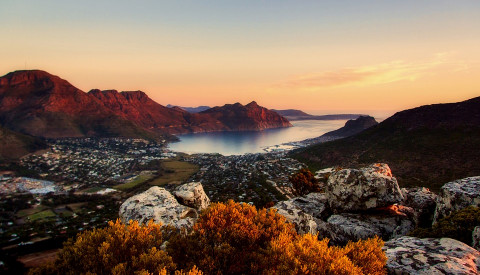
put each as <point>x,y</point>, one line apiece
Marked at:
<point>191,109</point>
<point>352,127</point>
<point>292,115</point>
<point>40,104</point>
<point>247,117</point>
<point>424,146</point>
<point>14,145</point>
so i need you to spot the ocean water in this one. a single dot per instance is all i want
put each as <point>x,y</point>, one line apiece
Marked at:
<point>237,143</point>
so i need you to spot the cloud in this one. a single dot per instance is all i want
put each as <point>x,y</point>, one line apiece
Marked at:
<point>366,75</point>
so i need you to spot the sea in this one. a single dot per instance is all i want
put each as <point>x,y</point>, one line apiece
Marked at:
<point>239,143</point>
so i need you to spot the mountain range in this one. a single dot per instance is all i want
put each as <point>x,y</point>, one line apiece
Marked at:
<point>39,104</point>
<point>425,146</point>
<point>293,114</point>
<point>191,109</point>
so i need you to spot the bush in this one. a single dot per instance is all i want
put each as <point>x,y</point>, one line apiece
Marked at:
<point>230,238</point>
<point>458,225</point>
<point>304,182</point>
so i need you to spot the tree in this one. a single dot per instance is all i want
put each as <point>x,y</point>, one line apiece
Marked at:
<point>304,182</point>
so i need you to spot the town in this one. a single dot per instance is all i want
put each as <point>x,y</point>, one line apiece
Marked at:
<point>79,183</point>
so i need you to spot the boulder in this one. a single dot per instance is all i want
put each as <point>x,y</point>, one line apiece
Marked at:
<point>344,227</point>
<point>457,195</point>
<point>304,223</point>
<point>159,205</point>
<point>476,238</point>
<point>423,202</point>
<point>361,189</point>
<point>192,195</point>
<point>410,255</point>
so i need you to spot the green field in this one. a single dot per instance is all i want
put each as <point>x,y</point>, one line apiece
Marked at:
<point>175,172</point>
<point>136,182</point>
<point>42,215</point>
<point>30,211</point>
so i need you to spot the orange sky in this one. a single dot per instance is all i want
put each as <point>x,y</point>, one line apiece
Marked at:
<point>315,56</point>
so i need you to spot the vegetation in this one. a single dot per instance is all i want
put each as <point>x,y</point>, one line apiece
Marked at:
<point>458,225</point>
<point>174,171</point>
<point>304,182</point>
<point>228,238</point>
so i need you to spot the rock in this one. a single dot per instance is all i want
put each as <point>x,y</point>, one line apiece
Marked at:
<point>344,227</point>
<point>457,195</point>
<point>423,201</point>
<point>305,211</point>
<point>159,205</point>
<point>476,238</point>
<point>409,255</point>
<point>192,195</point>
<point>361,189</point>
<point>304,223</point>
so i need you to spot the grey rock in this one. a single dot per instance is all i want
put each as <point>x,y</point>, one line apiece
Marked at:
<point>344,227</point>
<point>457,195</point>
<point>304,223</point>
<point>159,205</point>
<point>192,195</point>
<point>423,202</point>
<point>361,189</point>
<point>476,238</point>
<point>410,255</point>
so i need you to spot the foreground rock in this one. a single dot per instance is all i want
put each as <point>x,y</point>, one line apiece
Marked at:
<point>361,189</point>
<point>159,205</point>
<point>423,202</point>
<point>476,238</point>
<point>346,227</point>
<point>409,255</point>
<point>192,195</point>
<point>457,195</point>
<point>305,211</point>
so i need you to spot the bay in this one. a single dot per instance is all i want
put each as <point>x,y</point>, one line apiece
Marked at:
<point>237,143</point>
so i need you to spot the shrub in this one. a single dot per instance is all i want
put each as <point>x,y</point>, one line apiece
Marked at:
<point>304,182</point>
<point>458,225</point>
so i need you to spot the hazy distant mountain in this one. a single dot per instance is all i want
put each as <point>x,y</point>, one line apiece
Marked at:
<point>14,145</point>
<point>191,109</point>
<point>40,104</point>
<point>425,146</point>
<point>353,126</point>
<point>292,114</point>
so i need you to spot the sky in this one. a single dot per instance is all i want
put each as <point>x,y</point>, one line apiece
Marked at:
<point>328,56</point>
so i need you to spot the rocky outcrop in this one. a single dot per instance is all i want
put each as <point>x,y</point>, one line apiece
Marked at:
<point>361,189</point>
<point>423,202</point>
<point>476,238</point>
<point>409,255</point>
<point>192,195</point>
<point>305,212</point>
<point>159,205</point>
<point>457,195</point>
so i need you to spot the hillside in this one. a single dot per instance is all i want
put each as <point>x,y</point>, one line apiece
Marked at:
<point>14,145</point>
<point>424,146</point>
<point>191,109</point>
<point>40,104</point>
<point>352,127</point>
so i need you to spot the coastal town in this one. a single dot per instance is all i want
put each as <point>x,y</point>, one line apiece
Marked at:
<point>79,184</point>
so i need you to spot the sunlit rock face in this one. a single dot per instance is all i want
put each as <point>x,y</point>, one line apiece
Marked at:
<point>159,205</point>
<point>409,255</point>
<point>192,195</point>
<point>457,195</point>
<point>360,189</point>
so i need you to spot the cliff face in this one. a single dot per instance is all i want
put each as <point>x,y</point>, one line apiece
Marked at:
<point>40,104</point>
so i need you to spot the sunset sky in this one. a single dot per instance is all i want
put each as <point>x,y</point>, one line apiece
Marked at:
<point>331,56</point>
